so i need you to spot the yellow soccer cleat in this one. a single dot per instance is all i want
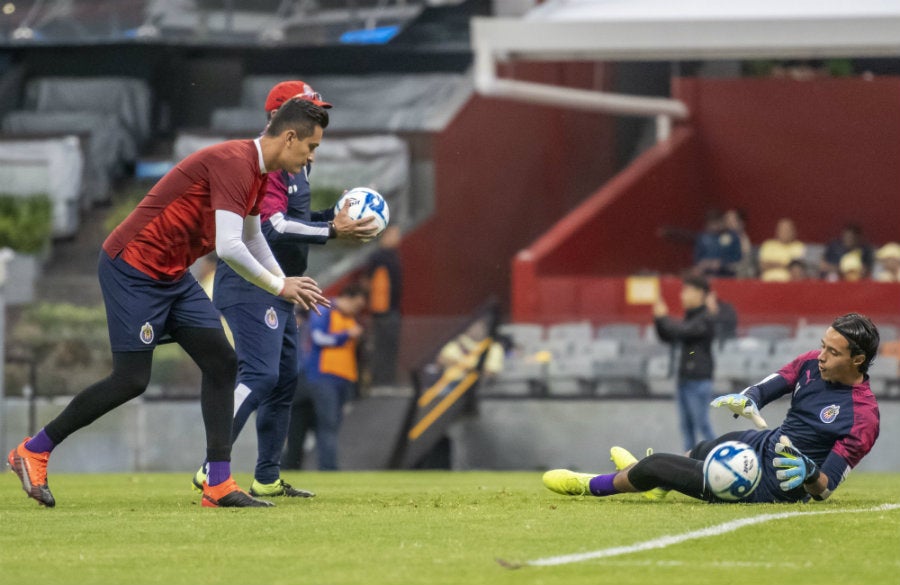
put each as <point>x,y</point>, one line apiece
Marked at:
<point>623,459</point>
<point>568,483</point>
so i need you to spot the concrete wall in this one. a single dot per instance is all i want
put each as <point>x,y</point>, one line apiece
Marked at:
<point>507,435</point>
<point>542,434</point>
<point>138,436</point>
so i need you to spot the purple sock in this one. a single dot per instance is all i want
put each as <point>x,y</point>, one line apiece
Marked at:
<point>602,485</point>
<point>40,443</point>
<point>219,471</point>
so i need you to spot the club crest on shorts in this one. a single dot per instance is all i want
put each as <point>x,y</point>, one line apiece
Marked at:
<point>147,334</point>
<point>271,318</point>
<point>829,413</point>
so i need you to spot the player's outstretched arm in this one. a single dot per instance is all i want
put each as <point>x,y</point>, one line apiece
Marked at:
<point>741,405</point>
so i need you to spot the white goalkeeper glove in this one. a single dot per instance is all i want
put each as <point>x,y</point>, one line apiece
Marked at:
<point>741,405</point>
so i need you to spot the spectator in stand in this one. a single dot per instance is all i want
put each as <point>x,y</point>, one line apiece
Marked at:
<point>466,350</point>
<point>850,242</point>
<point>717,249</point>
<point>851,267</point>
<point>736,221</point>
<point>888,267</point>
<point>797,270</point>
<point>776,254</point>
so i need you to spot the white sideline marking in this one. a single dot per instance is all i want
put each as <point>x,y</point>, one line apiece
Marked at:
<point>664,541</point>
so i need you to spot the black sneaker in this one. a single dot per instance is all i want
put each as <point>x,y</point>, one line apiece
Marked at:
<point>279,488</point>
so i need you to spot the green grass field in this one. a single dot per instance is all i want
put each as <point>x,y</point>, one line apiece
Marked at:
<point>433,527</point>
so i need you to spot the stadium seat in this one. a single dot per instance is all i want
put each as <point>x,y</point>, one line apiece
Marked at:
<point>731,372</point>
<point>770,331</point>
<point>625,374</point>
<point>884,373</point>
<point>601,349</point>
<point>645,348</point>
<point>574,375</point>
<point>758,367</point>
<point>523,334</point>
<point>811,332</point>
<point>580,332</point>
<point>813,255</point>
<point>660,375</point>
<point>888,332</point>
<point>519,377</point>
<point>620,331</point>
<point>788,349</point>
<point>750,346</point>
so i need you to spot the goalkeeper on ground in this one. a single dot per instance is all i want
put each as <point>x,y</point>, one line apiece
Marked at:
<point>831,425</point>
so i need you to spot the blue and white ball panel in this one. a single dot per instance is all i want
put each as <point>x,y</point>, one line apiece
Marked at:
<point>366,202</point>
<point>731,471</point>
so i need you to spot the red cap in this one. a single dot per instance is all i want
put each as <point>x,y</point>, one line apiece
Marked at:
<point>286,90</point>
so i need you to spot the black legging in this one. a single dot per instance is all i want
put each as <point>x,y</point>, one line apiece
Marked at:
<point>208,347</point>
<point>677,472</point>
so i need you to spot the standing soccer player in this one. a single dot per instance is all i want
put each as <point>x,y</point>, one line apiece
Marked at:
<point>209,201</point>
<point>832,424</point>
<point>264,327</point>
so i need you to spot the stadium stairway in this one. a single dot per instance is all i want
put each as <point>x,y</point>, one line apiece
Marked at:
<point>372,428</point>
<point>70,273</point>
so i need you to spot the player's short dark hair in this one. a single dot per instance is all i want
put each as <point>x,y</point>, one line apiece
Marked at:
<point>300,115</point>
<point>861,334</point>
<point>697,282</point>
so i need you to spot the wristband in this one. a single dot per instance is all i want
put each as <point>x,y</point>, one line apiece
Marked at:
<point>814,478</point>
<point>332,232</point>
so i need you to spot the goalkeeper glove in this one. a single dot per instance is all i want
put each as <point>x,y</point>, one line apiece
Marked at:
<point>795,468</point>
<point>741,405</point>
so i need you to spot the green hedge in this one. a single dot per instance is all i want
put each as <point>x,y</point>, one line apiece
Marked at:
<point>26,223</point>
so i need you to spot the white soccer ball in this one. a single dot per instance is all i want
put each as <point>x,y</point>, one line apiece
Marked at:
<point>366,202</point>
<point>731,471</point>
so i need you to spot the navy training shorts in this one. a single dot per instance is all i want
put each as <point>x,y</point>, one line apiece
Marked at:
<point>141,309</point>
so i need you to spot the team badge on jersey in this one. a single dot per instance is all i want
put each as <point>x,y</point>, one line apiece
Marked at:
<point>271,318</point>
<point>147,334</point>
<point>829,413</point>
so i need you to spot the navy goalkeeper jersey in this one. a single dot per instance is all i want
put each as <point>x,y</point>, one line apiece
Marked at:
<point>833,424</point>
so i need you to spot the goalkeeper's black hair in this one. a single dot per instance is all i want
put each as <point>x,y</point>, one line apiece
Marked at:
<point>861,334</point>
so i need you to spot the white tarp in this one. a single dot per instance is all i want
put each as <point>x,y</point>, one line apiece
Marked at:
<point>107,144</point>
<point>424,102</point>
<point>51,166</point>
<point>128,98</point>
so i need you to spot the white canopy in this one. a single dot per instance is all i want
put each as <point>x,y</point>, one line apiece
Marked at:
<point>648,30</point>
<point>694,29</point>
